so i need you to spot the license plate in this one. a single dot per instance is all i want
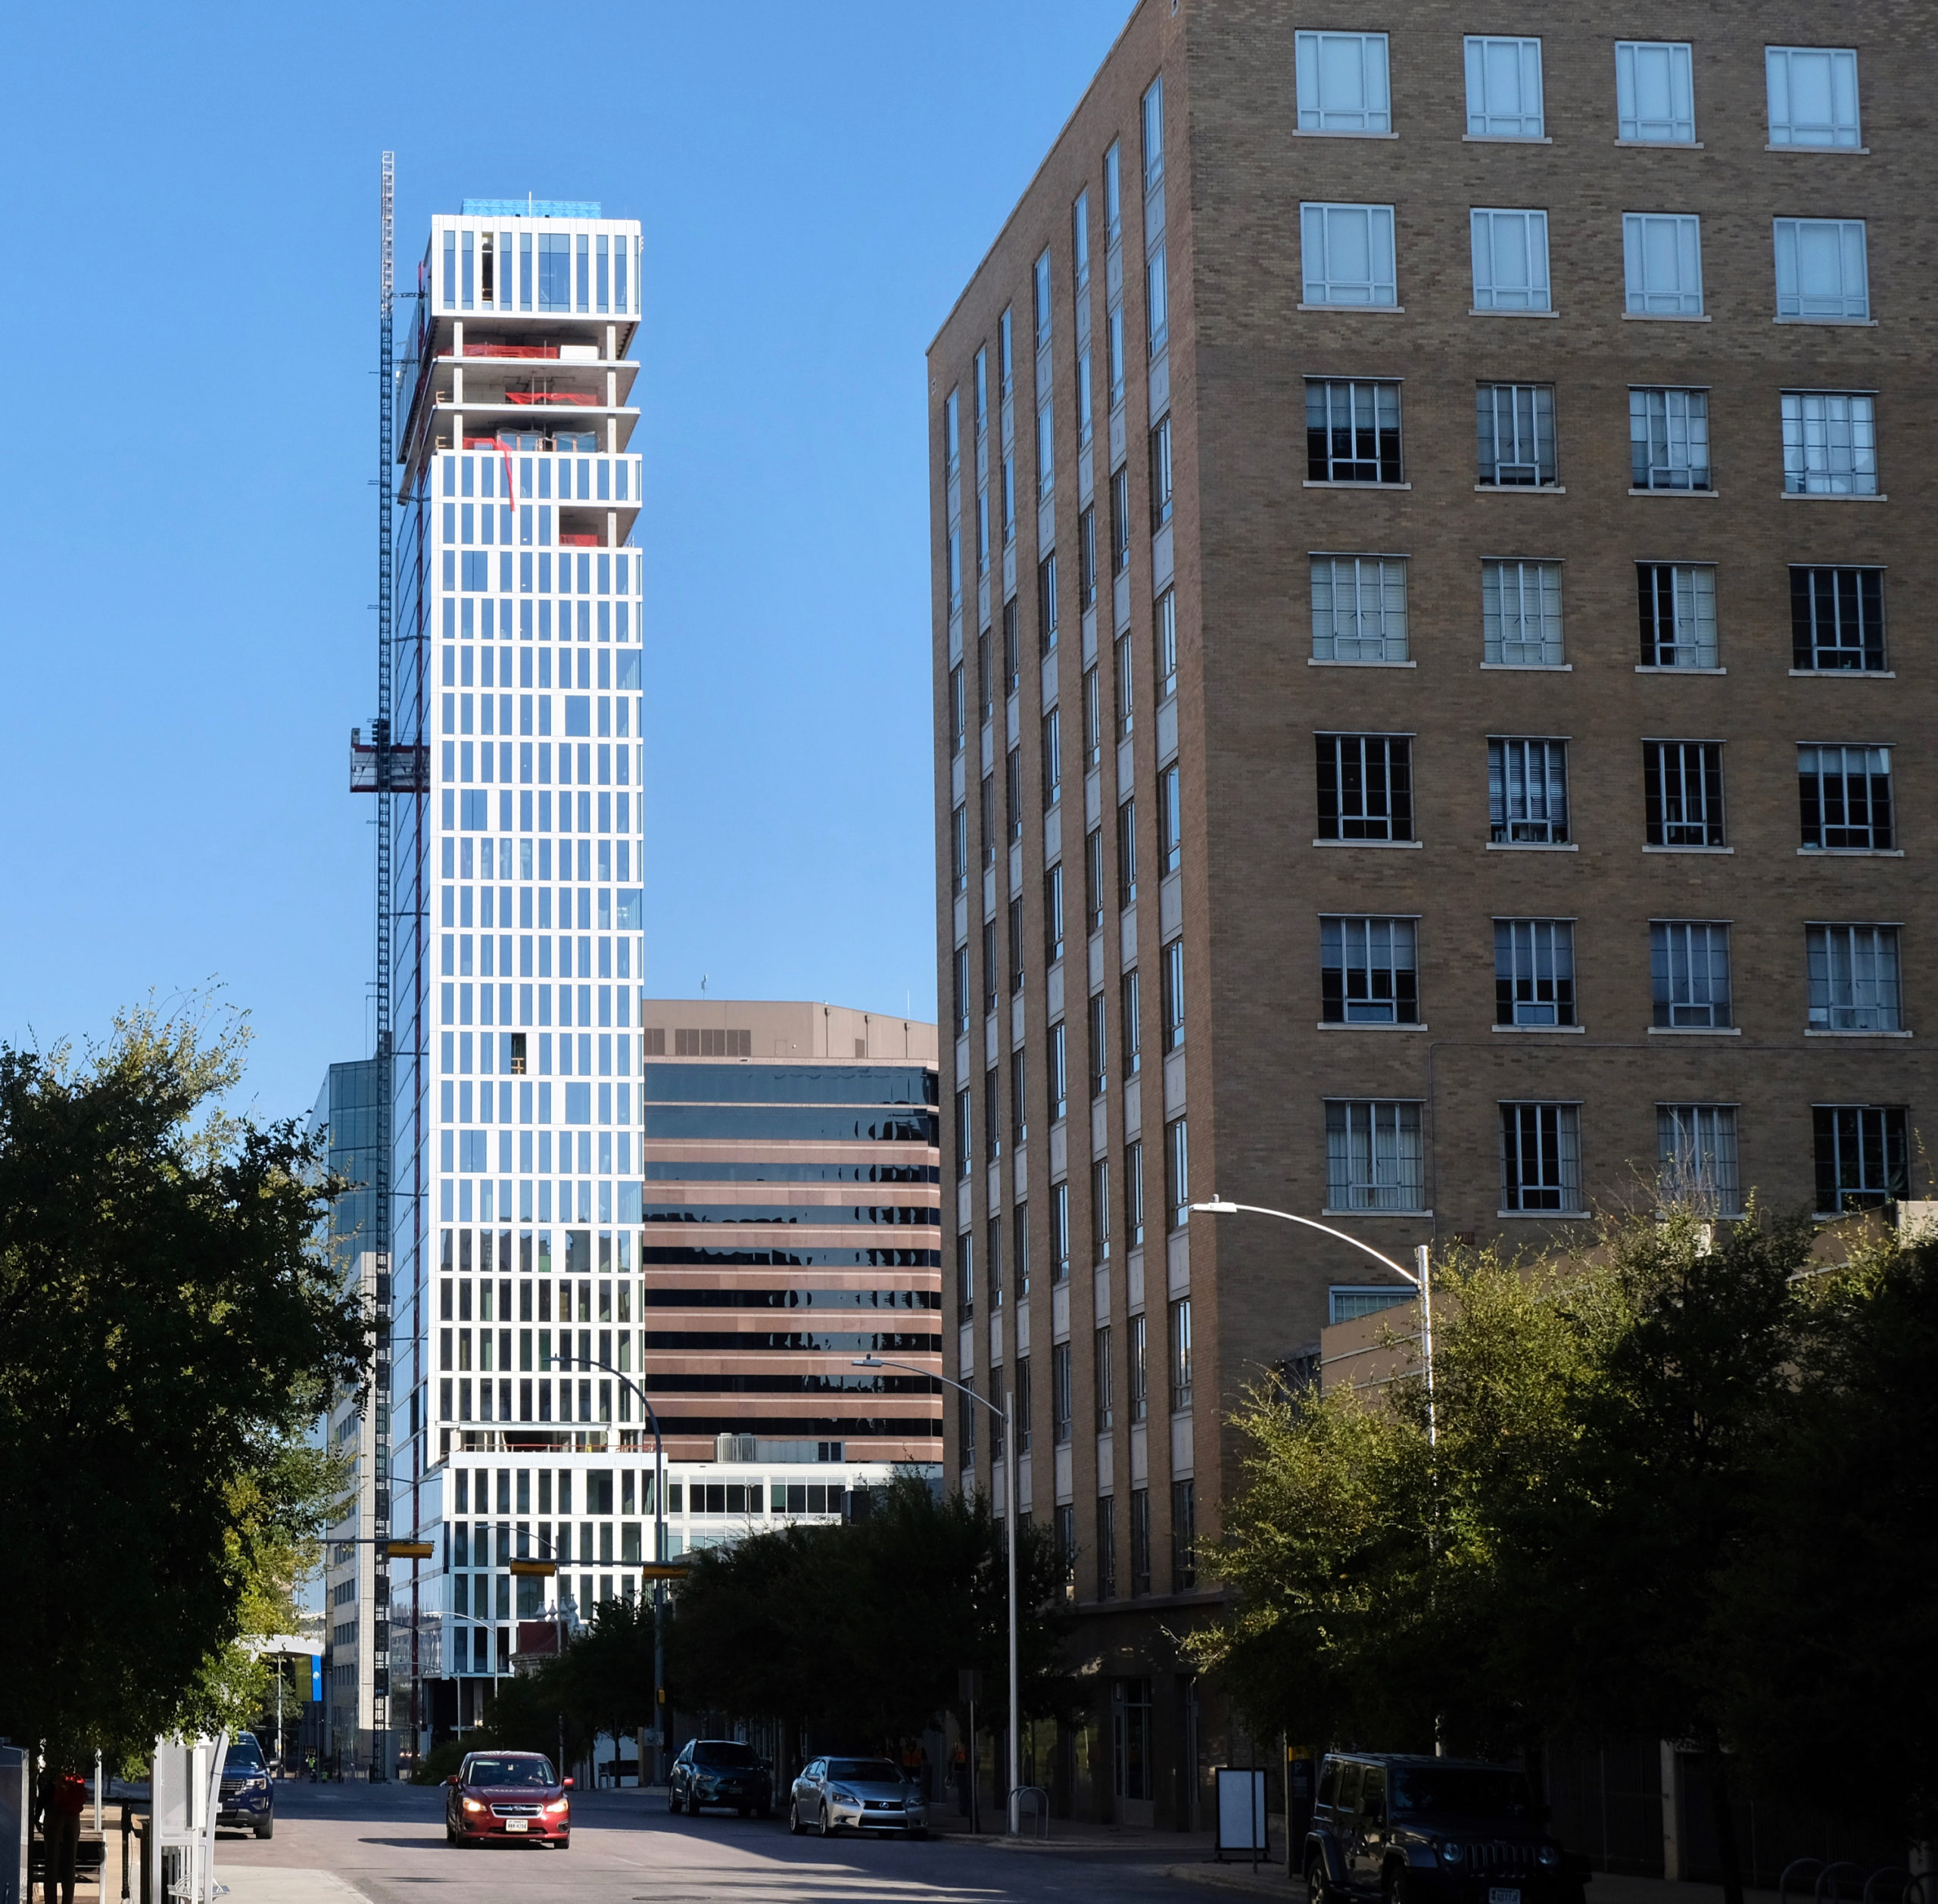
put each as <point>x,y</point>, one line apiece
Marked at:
<point>1499,1897</point>
<point>1503,1894</point>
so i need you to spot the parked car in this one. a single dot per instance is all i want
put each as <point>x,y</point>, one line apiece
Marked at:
<point>248,1800</point>
<point>722,1773</point>
<point>1409,1831</point>
<point>864,1794</point>
<point>498,1797</point>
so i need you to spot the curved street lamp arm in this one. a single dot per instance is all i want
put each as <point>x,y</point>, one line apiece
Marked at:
<point>1217,1206</point>
<point>981,1402</point>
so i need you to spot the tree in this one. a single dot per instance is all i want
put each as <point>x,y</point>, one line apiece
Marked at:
<point>169,1328</point>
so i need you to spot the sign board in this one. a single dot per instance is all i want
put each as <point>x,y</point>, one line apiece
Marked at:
<point>1241,1824</point>
<point>15,1824</point>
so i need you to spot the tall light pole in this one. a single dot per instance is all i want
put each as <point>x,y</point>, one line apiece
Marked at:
<point>1420,1276</point>
<point>1002,1415</point>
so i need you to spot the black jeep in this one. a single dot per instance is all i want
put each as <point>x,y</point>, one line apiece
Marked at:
<point>1418,1831</point>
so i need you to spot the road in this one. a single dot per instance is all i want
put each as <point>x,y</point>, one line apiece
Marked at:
<point>385,1844</point>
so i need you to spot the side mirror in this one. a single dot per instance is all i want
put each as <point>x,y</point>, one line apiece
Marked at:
<point>568,1784</point>
<point>452,1780</point>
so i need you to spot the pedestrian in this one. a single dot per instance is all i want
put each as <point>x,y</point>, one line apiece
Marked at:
<point>925,1768</point>
<point>62,1794</point>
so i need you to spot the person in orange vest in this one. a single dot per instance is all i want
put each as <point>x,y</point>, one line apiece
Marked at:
<point>62,1796</point>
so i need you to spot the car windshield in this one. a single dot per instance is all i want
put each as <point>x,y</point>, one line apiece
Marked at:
<point>520,1771</point>
<point>865,1771</point>
<point>724,1751</point>
<point>245,1754</point>
<point>1475,1791</point>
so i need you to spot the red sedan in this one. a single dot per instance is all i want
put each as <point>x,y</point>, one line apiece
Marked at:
<point>503,1797</point>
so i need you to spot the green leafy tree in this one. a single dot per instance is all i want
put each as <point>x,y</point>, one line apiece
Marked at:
<point>169,1329</point>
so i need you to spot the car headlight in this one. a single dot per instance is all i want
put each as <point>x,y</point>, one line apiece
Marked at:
<point>842,1795</point>
<point>559,1805</point>
<point>1550,1854</point>
<point>473,1804</point>
<point>1451,1854</point>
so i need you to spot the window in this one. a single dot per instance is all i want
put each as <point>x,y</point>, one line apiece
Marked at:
<point>1046,467</point>
<point>1170,821</point>
<point>1689,974</point>
<point>1046,603</point>
<point>1347,254</point>
<point>1661,264</point>
<point>992,1269</point>
<point>1342,84</point>
<point>1352,430</point>
<point>1107,1547</point>
<point>1105,1413</point>
<point>1126,855</point>
<point>1119,519</point>
<point>1829,443</point>
<point>1515,423</point>
<point>1677,602</point>
<point>1171,991</point>
<point>1059,1231</point>
<point>1533,972</point>
<point>1845,797</point>
<point>965,1275</point>
<point>1822,276</point>
<point>1862,1158</point>
<point>1347,1302</point>
<point>1132,1031</point>
<point>1053,914</point>
<point>958,831</point>
<point>1836,619</point>
<point>1066,1540</point>
<point>1527,792</point>
<point>1008,500</point>
<point>1093,719</point>
<point>982,391</point>
<point>1016,945</point>
<point>1019,1401</point>
<point>1019,1098</point>
<point>1813,96</point>
<point>1086,562</point>
<point>985,687</point>
<point>1521,614</point>
<point>959,714</point>
<point>1140,1558</point>
<point>1510,259</point>
<point>1160,474</point>
<point>1060,1396</point>
<point>1372,1156</point>
<point>1669,439</point>
<point>1114,351</point>
<point>1079,239</point>
<point>961,989</point>
<point>1013,792</point>
<point>1113,194</point>
<point>992,1117</point>
<point>965,1425</point>
<point>1359,608</point>
<point>1012,647</point>
<point>1093,880</point>
<point>1133,1195</point>
<point>1100,1202</point>
<point>1540,1157</point>
<point>1854,978</point>
<point>1177,1174</point>
<point>1682,792</point>
<point>1365,786</point>
<point>990,967</point>
<point>1180,1340</point>
<point>1696,1157</point>
<point>1126,685</point>
<point>1057,1051</point>
<point>1157,299</point>
<point>1503,88</point>
<point>988,819</point>
<point>1006,349</point>
<point>951,431</point>
<point>1164,624</point>
<point>1139,1370</point>
<point>1184,1536</point>
<point>1655,100</point>
<point>1052,757</point>
<point>1040,286</point>
<point>1099,1024</point>
<point>1369,972</point>
<point>1086,417</point>
<point>1154,136</point>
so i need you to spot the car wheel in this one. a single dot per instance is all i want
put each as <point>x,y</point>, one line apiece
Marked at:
<point>794,1824</point>
<point>1395,1887</point>
<point>1317,1891</point>
<point>827,1821</point>
<point>267,1828</point>
<point>672,1801</point>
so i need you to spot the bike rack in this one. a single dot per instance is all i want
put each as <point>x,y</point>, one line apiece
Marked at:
<point>1808,1866</point>
<point>1040,1799</point>
<point>1833,1875</point>
<point>1887,1871</point>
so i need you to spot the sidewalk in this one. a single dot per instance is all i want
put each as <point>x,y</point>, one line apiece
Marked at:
<point>1604,1888</point>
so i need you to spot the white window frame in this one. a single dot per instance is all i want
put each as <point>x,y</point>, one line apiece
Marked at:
<point>1670,426</point>
<point>1840,764</point>
<point>1504,77</point>
<point>1375,951</point>
<point>1343,83</point>
<point>1538,955</point>
<point>1830,442</point>
<point>1556,1131</point>
<point>1661,264</point>
<point>1374,1157</point>
<point>1689,974</point>
<point>1842,130</point>
<point>1692,618</point>
<point>1358,609</point>
<point>1856,980</point>
<point>1524,597</point>
<point>1516,237</point>
<point>1346,1301</point>
<point>1833,247</point>
<point>1696,1157</point>
<point>1639,62</point>
<point>1530,419</point>
<point>1526,790</point>
<point>1324,229</point>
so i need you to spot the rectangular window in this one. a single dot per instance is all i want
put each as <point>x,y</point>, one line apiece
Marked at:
<point>1006,349</point>
<point>1126,855</point>
<point>1527,792</point>
<point>1093,719</point>
<point>1369,972</point>
<point>1352,430</point>
<point>1100,1209</point>
<point>1829,443</point>
<point>1060,1395</point>
<point>1184,1536</point>
<point>1533,972</point>
<point>1154,136</point>
<point>1040,285</point>
<point>1008,501</point>
<point>1086,562</point>
<point>1016,944</point>
<point>1046,603</point>
<point>1682,792</point>
<point>1013,792</point>
<point>1059,1231</point>
<point>1131,1028</point>
<point>1661,264</point>
<point>958,828</point>
<point>1099,1025</point>
<point>1119,519</point>
<point>1373,1156</point>
<point>1515,423</point>
<point>965,1275</point>
<point>1157,299</point>
<point>1689,974</point>
<point>1106,1413</point>
<point>1509,259</point>
<point>1822,277</point>
<point>1112,194</point>
<point>1170,821</point>
<point>1669,439</point>
<point>1812,93</point>
<point>1365,786</point>
<point>1862,1156</point>
<point>1854,978</point>
<point>1052,757</point>
<point>988,819</point>
<point>1093,880</point>
<point>962,1129</point>
<point>952,433</point>
<point>1046,466</point>
<point>961,999</point>
<point>1160,474</point>
<point>1019,1098</point>
<point>958,712</point>
<point>1140,1540</point>
<point>1133,1195</point>
<point>982,381</point>
<point>1180,1346</point>
<point>1139,1370</point>
<point>1171,991</point>
<point>1503,88</point>
<point>1342,84</point>
<point>1655,98</point>
<point>1020,1404</point>
<point>991,1119</point>
<point>1521,614</point>
<point>1058,1067</point>
<point>1845,793</point>
<point>1677,601</point>
<point>1696,1157</point>
<point>1177,1174</point>
<point>1837,618</point>
<point>1346,252</point>
<point>1079,239</point>
<point>1012,647</point>
<point>1359,608</point>
<point>1540,1157</point>
<point>1164,624</point>
<point>1106,1544</point>
<point>1053,914</point>
<point>1126,685</point>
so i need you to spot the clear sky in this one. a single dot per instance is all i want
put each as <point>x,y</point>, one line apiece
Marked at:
<point>189,517</point>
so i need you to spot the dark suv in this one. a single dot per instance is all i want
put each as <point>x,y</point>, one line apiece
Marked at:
<point>1419,1831</point>
<point>721,1773</point>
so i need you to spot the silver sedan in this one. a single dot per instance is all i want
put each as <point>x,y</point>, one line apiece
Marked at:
<point>863,1794</point>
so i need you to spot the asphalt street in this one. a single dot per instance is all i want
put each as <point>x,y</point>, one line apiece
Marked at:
<point>334,1843</point>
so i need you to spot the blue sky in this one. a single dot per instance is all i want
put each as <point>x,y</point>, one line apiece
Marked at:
<point>188,511</point>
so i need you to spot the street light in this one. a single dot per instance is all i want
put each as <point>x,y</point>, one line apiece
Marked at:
<point>1420,1276</point>
<point>1002,1415</point>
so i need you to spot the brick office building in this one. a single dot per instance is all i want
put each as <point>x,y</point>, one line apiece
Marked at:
<point>1430,729</point>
